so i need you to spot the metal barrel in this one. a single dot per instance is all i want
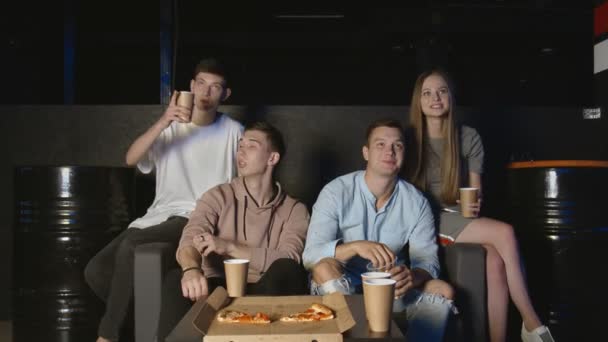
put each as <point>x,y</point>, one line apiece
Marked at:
<point>64,215</point>
<point>559,210</point>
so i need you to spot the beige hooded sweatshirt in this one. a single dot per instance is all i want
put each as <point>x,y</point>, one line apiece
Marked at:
<point>276,230</point>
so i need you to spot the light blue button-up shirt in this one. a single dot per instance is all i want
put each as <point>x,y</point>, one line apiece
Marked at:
<point>346,211</point>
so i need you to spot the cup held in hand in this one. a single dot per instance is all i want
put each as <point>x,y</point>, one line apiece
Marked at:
<point>236,276</point>
<point>468,196</point>
<point>185,99</point>
<point>382,268</point>
<point>375,275</point>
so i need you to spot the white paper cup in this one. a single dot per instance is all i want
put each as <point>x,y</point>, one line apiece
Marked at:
<point>375,275</point>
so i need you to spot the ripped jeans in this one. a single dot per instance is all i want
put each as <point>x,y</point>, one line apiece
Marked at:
<point>427,314</point>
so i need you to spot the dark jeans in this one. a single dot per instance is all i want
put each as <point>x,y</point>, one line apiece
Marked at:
<point>110,272</point>
<point>283,278</point>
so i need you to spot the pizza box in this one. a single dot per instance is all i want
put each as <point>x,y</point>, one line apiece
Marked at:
<point>275,307</point>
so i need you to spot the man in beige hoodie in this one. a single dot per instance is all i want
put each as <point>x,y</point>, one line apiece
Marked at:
<point>249,218</point>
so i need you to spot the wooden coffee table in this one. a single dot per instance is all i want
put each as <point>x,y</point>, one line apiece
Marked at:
<point>185,331</point>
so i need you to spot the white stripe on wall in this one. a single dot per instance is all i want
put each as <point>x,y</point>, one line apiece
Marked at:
<point>600,56</point>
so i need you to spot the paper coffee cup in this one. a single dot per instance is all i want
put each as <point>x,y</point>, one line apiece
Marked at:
<point>375,275</point>
<point>236,276</point>
<point>378,295</point>
<point>468,196</point>
<point>185,99</point>
<point>382,268</point>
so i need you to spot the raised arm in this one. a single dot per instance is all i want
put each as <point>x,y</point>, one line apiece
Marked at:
<point>142,144</point>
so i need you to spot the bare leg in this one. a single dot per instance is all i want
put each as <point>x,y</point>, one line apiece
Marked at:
<point>498,294</point>
<point>501,237</point>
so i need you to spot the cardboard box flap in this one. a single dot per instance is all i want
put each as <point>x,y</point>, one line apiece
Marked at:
<point>216,300</point>
<point>344,317</point>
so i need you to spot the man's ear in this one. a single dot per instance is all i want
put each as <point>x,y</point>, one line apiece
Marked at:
<point>274,158</point>
<point>227,93</point>
<point>365,151</point>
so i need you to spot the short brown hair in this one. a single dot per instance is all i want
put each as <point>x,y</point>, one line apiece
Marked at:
<point>277,144</point>
<point>383,123</point>
<point>213,66</point>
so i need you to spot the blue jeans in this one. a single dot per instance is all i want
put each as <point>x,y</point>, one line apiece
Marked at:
<point>427,314</point>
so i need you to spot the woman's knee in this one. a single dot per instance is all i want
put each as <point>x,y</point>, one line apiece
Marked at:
<point>495,265</point>
<point>503,235</point>
<point>440,287</point>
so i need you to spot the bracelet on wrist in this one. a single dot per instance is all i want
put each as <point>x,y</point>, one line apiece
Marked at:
<point>190,269</point>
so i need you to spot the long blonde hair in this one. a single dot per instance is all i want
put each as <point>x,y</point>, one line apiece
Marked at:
<point>450,162</point>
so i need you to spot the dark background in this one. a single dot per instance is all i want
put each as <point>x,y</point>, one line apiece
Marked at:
<point>518,52</point>
<point>523,71</point>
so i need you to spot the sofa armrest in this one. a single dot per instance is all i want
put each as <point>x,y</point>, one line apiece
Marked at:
<point>152,260</point>
<point>465,264</point>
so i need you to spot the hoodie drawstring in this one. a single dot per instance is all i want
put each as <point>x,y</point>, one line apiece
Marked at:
<point>273,209</point>
<point>245,219</point>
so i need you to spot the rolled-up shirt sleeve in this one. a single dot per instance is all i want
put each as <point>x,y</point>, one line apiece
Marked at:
<point>323,232</point>
<point>147,163</point>
<point>423,243</point>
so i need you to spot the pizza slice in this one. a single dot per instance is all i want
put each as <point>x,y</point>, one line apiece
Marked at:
<point>233,316</point>
<point>316,312</point>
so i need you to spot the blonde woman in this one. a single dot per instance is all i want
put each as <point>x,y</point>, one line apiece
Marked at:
<point>444,158</point>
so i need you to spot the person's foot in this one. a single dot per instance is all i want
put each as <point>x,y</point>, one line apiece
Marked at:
<point>540,334</point>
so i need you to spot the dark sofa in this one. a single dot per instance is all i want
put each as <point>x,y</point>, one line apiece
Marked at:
<point>323,142</point>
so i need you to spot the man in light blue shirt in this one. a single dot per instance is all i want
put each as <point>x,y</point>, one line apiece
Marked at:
<point>368,217</point>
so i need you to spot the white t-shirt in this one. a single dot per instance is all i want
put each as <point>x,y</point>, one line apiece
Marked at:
<point>189,160</point>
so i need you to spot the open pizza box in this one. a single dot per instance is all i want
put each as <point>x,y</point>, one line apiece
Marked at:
<point>320,331</point>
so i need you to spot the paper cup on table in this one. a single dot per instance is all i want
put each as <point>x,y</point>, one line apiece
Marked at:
<point>373,275</point>
<point>236,276</point>
<point>468,196</point>
<point>378,295</point>
<point>185,99</point>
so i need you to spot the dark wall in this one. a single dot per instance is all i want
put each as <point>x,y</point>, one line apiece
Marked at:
<point>508,52</point>
<point>601,90</point>
<point>323,142</point>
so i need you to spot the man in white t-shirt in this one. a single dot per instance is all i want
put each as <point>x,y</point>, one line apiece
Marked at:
<point>191,151</point>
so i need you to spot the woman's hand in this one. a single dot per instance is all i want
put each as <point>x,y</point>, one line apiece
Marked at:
<point>475,207</point>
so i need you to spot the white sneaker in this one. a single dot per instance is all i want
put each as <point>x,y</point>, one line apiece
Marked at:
<point>540,334</point>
